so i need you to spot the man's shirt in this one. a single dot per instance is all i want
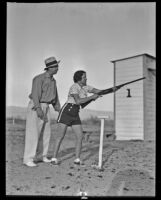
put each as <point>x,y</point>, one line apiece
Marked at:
<point>44,89</point>
<point>77,89</point>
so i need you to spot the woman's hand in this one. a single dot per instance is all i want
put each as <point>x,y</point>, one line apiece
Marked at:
<point>95,96</point>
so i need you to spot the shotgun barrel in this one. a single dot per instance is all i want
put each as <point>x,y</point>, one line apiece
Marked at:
<point>110,90</point>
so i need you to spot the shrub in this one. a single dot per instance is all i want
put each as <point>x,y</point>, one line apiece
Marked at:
<point>96,121</point>
<point>91,121</point>
<point>16,120</point>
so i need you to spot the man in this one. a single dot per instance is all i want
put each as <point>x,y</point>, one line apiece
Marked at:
<point>44,93</point>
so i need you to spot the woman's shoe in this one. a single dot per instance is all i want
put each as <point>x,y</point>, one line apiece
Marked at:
<point>54,161</point>
<point>78,162</point>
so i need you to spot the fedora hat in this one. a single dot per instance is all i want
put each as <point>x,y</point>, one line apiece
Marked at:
<point>51,62</point>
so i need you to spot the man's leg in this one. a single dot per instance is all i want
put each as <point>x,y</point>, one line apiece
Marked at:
<point>46,135</point>
<point>31,136</point>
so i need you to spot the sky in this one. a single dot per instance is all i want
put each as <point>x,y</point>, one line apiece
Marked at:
<point>83,36</point>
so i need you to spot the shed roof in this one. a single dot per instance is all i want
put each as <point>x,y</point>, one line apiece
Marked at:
<point>145,54</point>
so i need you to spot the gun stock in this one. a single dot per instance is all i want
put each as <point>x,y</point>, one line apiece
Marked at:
<point>110,90</point>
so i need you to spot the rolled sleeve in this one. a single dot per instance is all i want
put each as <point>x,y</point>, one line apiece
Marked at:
<point>36,92</point>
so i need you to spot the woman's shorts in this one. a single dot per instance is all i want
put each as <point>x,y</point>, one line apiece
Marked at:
<point>69,114</point>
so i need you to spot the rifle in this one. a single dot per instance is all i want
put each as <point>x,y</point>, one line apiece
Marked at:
<point>110,90</point>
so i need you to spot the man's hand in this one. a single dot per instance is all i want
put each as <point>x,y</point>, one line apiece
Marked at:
<point>57,109</point>
<point>40,113</point>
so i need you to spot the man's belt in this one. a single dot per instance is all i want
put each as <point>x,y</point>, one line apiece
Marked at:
<point>45,102</point>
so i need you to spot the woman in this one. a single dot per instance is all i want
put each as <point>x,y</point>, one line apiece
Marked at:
<point>69,114</point>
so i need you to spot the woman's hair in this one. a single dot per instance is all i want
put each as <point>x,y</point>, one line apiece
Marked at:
<point>78,75</point>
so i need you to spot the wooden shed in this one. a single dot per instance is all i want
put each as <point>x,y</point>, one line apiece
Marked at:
<point>134,104</point>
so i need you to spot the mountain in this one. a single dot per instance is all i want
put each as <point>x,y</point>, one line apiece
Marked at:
<point>16,112</point>
<point>20,112</point>
<point>87,113</point>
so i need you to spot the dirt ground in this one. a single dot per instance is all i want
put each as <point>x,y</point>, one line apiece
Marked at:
<point>128,168</point>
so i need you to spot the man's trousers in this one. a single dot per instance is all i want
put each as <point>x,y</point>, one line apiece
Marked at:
<point>33,129</point>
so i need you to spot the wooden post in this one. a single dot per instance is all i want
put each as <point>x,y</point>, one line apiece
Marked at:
<point>13,121</point>
<point>101,140</point>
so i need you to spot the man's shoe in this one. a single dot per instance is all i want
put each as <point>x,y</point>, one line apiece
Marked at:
<point>46,160</point>
<point>30,164</point>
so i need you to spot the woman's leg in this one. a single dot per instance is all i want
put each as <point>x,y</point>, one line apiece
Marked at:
<point>59,137</point>
<point>79,136</point>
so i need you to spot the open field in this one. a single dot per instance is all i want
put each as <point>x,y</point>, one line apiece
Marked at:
<point>128,166</point>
